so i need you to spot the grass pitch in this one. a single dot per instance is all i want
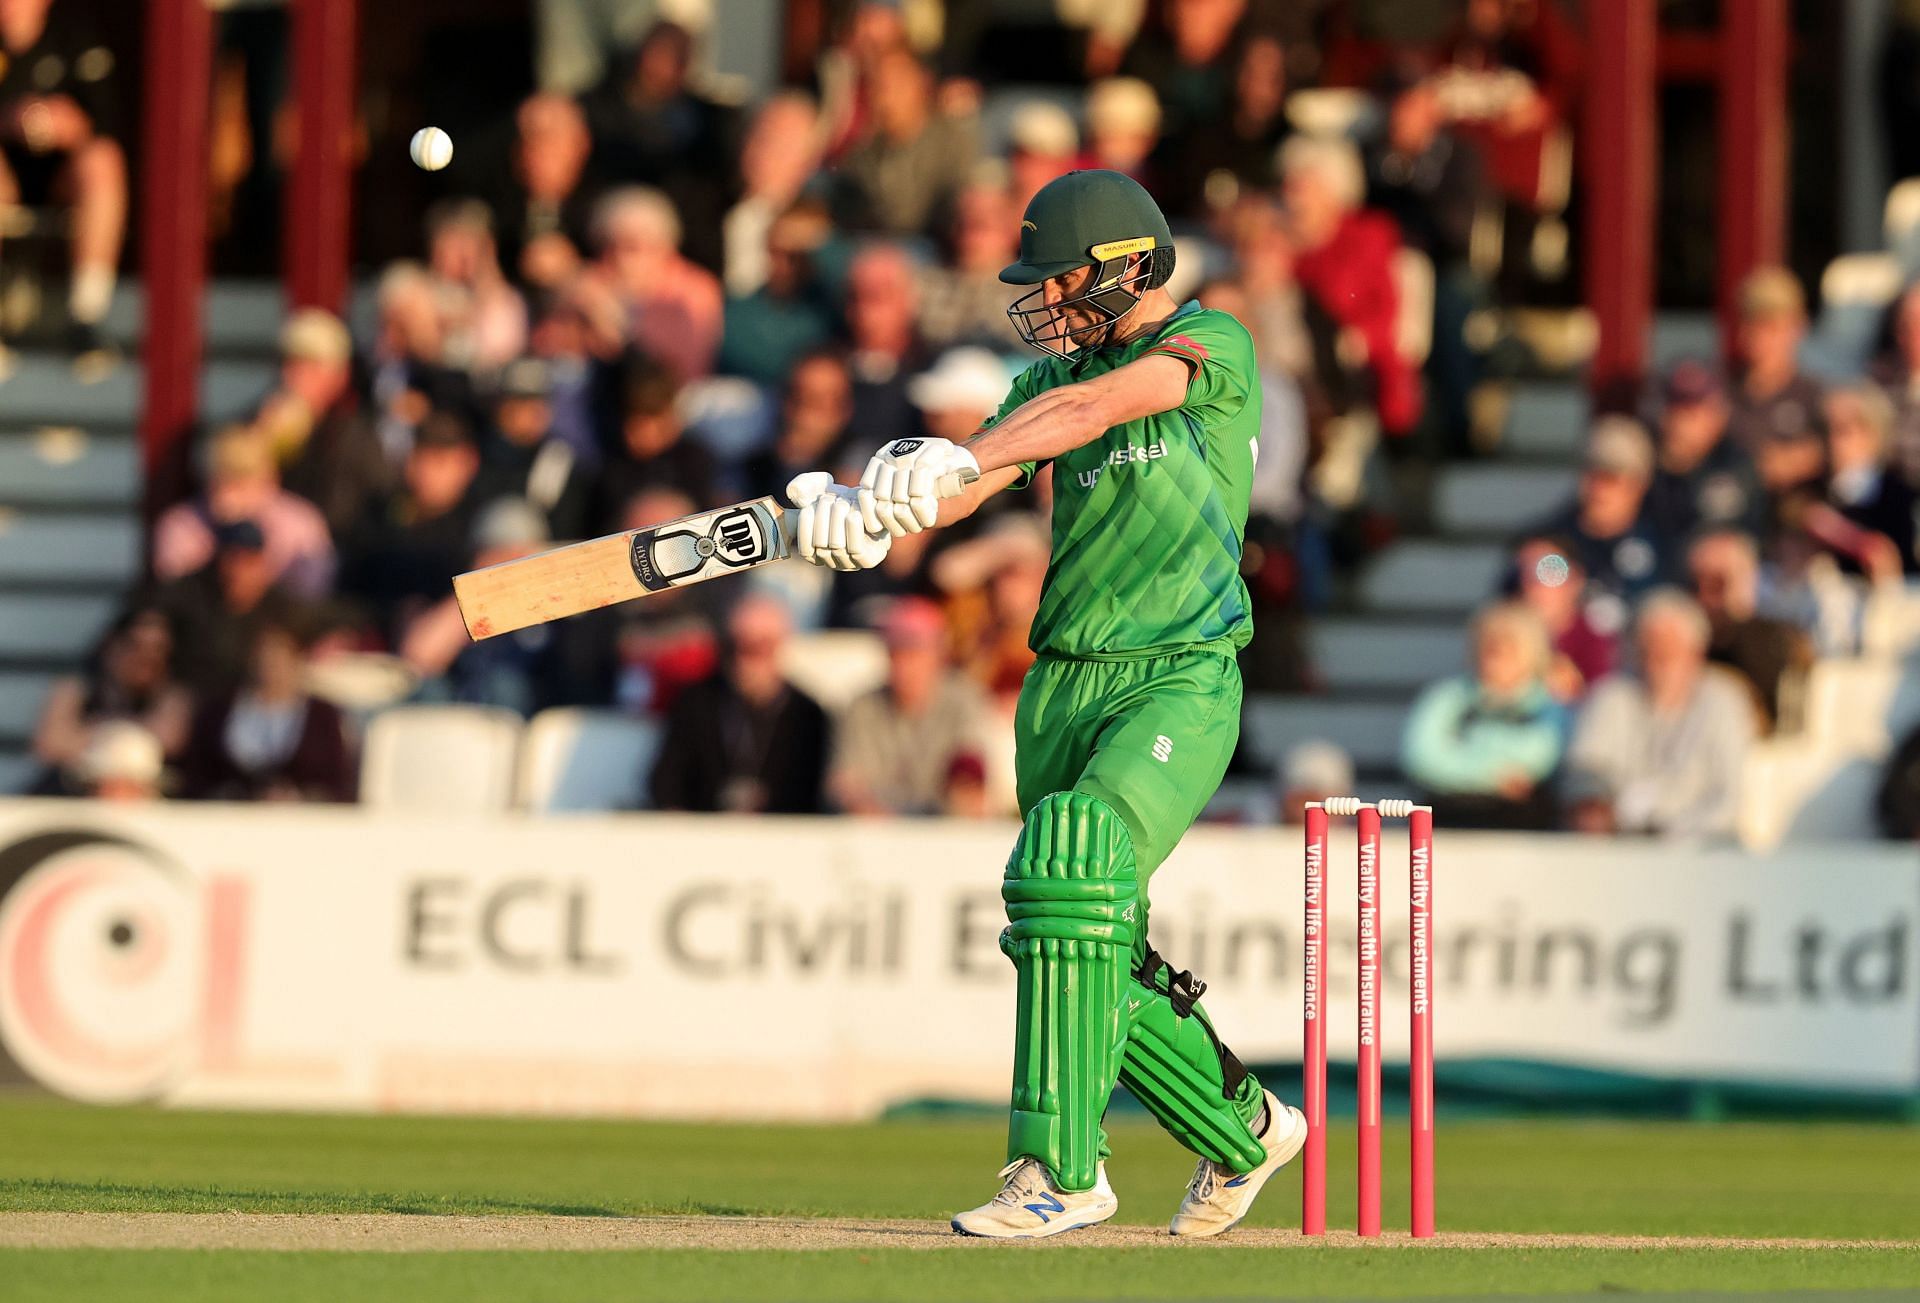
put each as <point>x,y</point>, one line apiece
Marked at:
<point>1815,1182</point>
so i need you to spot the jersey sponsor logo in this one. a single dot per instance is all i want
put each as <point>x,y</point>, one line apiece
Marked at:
<point>1162,748</point>
<point>1186,344</point>
<point>1122,456</point>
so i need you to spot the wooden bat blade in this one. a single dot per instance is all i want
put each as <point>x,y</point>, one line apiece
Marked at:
<point>619,567</point>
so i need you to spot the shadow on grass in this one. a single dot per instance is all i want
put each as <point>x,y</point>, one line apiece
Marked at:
<point>26,1195</point>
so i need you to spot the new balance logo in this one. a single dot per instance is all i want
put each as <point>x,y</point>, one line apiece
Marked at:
<point>1048,1204</point>
<point>1162,748</point>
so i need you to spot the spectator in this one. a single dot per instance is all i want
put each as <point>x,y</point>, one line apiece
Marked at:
<point>653,450</point>
<point>1433,185</point>
<point>1725,565</point>
<point>1661,750</point>
<point>1427,179</point>
<point>547,198</point>
<point>670,308</point>
<point>1611,538</point>
<point>895,750</point>
<point>1123,126</point>
<point>519,670</point>
<point>410,374</point>
<point>959,393</point>
<point>642,656</point>
<point>127,680</point>
<point>812,432</point>
<point>1345,262</point>
<point>963,300</point>
<point>122,761</point>
<point>1898,372</point>
<point>885,348</point>
<point>215,610</point>
<point>1042,143</point>
<point>404,554</point>
<point>1774,399</point>
<point>744,740</point>
<point>789,313</point>
<point>1311,771</point>
<point>1703,477</point>
<point>912,159</point>
<point>967,794</point>
<point>243,483</point>
<point>781,154</point>
<point>1898,801</point>
<point>1484,746</point>
<point>1189,61</point>
<point>1206,167</point>
<point>651,125</point>
<point>327,450</point>
<point>992,587</point>
<point>59,93</point>
<point>1863,490</point>
<point>483,319</point>
<point>525,459</point>
<point>271,740</point>
<point>1583,625</point>
<point>568,339</point>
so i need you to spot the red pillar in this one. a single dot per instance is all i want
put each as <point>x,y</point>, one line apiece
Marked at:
<point>173,236</point>
<point>1619,149</point>
<point>318,214</point>
<point>1752,194</point>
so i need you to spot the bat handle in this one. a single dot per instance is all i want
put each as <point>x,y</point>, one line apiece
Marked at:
<point>954,483</point>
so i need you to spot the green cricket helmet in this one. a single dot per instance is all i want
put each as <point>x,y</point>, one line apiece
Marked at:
<point>1093,218</point>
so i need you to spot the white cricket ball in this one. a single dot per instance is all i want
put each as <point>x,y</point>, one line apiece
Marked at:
<point>1552,570</point>
<point>431,148</point>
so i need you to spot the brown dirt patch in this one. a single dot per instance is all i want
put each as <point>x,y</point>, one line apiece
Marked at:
<point>393,1233</point>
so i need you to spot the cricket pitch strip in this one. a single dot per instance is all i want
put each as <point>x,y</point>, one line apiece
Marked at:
<point>404,1233</point>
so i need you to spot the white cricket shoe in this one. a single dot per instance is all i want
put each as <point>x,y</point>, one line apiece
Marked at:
<point>1031,1207</point>
<point>1218,1197</point>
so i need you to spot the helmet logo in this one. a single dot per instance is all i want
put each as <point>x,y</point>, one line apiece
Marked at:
<point>1120,248</point>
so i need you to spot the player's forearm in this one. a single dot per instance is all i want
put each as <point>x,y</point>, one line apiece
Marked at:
<point>1045,426</point>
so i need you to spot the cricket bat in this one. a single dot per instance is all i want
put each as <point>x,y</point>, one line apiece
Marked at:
<point>586,576</point>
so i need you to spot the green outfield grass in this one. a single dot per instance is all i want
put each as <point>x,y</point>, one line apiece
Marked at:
<point>1825,1181</point>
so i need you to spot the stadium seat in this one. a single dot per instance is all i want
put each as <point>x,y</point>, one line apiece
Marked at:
<point>1352,653</point>
<point>1368,729</point>
<point>575,759</point>
<point>1428,575</point>
<point>1855,290</point>
<point>1797,792</point>
<point>70,548</point>
<point>1890,624</point>
<point>362,682</point>
<point>21,695</point>
<point>1492,499</point>
<point>60,466</point>
<point>1545,420</point>
<point>53,625</point>
<point>1849,705</point>
<point>835,666</point>
<point>442,759</point>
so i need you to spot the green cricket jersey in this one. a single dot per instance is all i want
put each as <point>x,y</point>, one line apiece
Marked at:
<point>1148,519</point>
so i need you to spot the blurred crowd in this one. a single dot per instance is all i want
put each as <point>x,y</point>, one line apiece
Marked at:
<point>1666,615</point>
<point>664,299</point>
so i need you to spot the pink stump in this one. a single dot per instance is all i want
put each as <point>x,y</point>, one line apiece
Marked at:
<point>1313,1044</point>
<point>1369,993</point>
<point>1420,1002</point>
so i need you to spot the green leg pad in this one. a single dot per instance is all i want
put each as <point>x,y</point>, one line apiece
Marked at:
<point>1174,1067</point>
<point>1072,902</point>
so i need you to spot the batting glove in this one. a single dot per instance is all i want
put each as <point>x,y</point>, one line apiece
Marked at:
<point>828,530</point>
<point>904,482</point>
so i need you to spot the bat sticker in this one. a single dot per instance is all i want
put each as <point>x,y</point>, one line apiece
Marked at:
<point>666,558</point>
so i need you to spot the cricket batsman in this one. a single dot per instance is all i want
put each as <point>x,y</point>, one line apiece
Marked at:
<point>1149,412</point>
